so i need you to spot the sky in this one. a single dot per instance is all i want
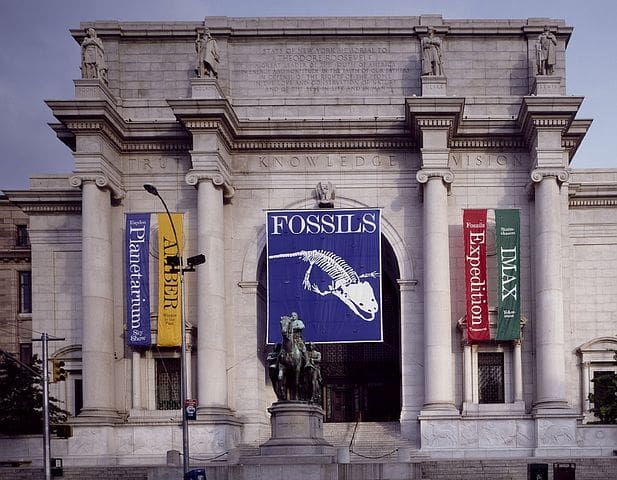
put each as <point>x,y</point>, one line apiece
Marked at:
<point>39,60</point>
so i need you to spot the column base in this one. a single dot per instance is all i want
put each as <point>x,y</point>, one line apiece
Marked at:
<point>552,408</point>
<point>217,414</point>
<point>98,415</point>
<point>439,409</point>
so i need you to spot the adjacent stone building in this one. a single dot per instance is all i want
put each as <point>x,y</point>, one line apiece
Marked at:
<point>15,282</point>
<point>421,117</point>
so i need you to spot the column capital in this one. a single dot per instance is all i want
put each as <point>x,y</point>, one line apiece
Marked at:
<point>194,177</point>
<point>446,175</point>
<point>424,175</point>
<point>539,174</point>
<point>101,180</point>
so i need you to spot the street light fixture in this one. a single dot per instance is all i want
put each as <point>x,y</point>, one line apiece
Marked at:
<point>177,266</point>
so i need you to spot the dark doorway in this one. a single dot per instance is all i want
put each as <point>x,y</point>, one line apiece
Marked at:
<point>362,381</point>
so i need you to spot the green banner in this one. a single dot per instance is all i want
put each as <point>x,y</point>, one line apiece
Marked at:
<point>507,226</point>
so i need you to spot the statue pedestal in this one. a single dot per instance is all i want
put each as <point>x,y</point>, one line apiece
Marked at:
<point>433,86</point>
<point>297,429</point>
<point>206,88</point>
<point>93,89</point>
<point>547,85</point>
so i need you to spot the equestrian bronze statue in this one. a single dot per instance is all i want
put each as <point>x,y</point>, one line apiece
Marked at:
<point>294,366</point>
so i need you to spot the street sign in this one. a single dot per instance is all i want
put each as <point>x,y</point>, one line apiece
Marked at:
<point>190,409</point>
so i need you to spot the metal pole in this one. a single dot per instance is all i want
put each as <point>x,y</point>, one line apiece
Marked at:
<point>183,376</point>
<point>46,436</point>
<point>183,373</point>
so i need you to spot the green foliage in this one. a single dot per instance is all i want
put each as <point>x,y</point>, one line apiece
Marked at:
<point>605,398</point>
<point>21,399</point>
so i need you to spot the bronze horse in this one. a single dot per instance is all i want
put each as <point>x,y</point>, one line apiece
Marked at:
<point>287,361</point>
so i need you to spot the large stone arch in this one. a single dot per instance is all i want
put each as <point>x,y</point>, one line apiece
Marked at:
<point>254,250</point>
<point>253,281</point>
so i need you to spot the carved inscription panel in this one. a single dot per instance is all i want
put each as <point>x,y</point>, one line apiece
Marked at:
<point>315,162</point>
<point>324,68</point>
<point>488,160</point>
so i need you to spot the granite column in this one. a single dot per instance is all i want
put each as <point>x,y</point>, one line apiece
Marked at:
<point>549,311</point>
<point>97,299</point>
<point>438,373</point>
<point>212,329</point>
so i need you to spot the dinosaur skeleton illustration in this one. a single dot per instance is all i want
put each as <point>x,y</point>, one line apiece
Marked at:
<point>346,284</point>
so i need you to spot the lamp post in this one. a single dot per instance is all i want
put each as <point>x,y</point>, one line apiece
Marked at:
<point>177,266</point>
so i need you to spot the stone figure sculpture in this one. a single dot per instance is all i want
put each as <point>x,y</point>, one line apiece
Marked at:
<point>314,380</point>
<point>93,57</point>
<point>432,55</point>
<point>325,194</point>
<point>207,55</point>
<point>294,366</point>
<point>546,52</point>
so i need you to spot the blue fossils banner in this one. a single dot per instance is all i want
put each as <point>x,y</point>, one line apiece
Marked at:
<point>325,265</point>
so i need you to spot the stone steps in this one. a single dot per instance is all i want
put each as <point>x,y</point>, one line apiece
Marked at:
<point>516,469</point>
<point>369,441</point>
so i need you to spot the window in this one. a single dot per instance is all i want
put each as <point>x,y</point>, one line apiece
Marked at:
<point>78,399</point>
<point>597,360</point>
<point>603,395</point>
<point>167,383</point>
<point>23,237</point>
<point>25,292</point>
<point>25,353</point>
<point>491,377</point>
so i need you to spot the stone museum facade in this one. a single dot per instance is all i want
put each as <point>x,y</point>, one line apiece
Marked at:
<point>419,117</point>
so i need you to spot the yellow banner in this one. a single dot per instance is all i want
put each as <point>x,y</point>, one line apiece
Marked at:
<point>170,300</point>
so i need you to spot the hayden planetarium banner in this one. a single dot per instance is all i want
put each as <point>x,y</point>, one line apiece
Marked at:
<point>325,265</point>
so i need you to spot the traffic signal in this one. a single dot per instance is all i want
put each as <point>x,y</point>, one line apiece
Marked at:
<point>59,373</point>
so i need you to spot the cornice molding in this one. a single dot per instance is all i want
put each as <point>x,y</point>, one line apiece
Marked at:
<point>592,202</point>
<point>87,116</point>
<point>510,142</point>
<point>324,144</point>
<point>46,202</point>
<point>95,116</point>
<point>16,257</point>
<point>547,113</point>
<point>425,113</point>
<point>229,27</point>
<point>52,209</point>
<point>600,194</point>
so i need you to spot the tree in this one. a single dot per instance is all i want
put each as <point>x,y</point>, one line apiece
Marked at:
<point>21,398</point>
<point>604,398</point>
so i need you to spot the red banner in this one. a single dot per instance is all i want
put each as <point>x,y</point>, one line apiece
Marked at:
<point>474,232</point>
